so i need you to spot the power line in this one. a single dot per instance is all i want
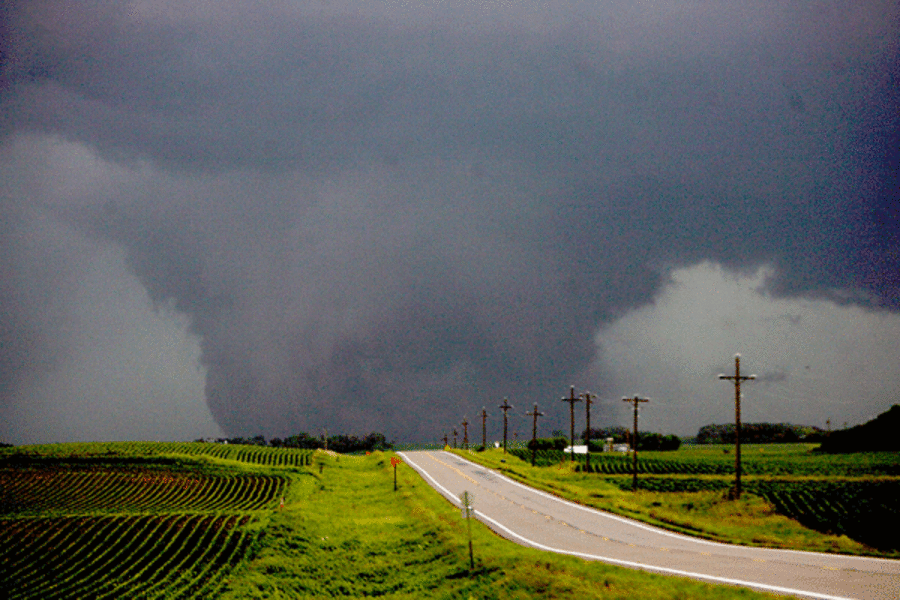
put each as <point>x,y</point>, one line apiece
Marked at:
<point>634,437</point>
<point>504,407</point>
<point>587,431</point>
<point>572,400</point>
<point>534,414</point>
<point>737,378</point>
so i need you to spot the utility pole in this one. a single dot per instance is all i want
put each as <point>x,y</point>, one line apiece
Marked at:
<point>534,414</point>
<point>484,428</point>
<point>571,400</point>
<point>737,378</point>
<point>634,437</point>
<point>454,437</point>
<point>505,407</point>
<point>588,400</point>
<point>465,424</point>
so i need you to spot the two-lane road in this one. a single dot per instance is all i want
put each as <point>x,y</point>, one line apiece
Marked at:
<point>535,518</point>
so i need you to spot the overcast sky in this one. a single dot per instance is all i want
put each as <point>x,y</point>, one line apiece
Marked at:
<point>264,218</point>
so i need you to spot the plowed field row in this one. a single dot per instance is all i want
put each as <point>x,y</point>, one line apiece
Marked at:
<point>863,510</point>
<point>149,556</point>
<point>71,492</point>
<point>608,463</point>
<point>259,455</point>
<point>132,520</point>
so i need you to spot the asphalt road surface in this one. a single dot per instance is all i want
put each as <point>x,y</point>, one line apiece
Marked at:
<point>540,520</point>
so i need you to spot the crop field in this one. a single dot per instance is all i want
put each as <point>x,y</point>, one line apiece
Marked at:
<point>851,495</point>
<point>140,452</point>
<point>136,520</point>
<point>770,459</point>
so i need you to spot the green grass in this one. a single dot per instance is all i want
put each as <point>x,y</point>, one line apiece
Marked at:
<point>793,498</point>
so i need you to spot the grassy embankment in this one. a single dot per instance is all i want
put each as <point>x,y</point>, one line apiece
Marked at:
<point>686,491</point>
<point>204,521</point>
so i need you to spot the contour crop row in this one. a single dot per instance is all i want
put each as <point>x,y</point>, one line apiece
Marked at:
<point>261,455</point>
<point>615,463</point>
<point>71,492</point>
<point>149,556</point>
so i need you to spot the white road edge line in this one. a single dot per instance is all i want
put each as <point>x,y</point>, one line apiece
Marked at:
<point>606,559</point>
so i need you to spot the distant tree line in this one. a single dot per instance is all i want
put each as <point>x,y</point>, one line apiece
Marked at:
<point>759,433</point>
<point>553,443</point>
<point>338,443</point>
<point>249,441</point>
<point>619,435</point>
<point>647,440</point>
<point>657,441</point>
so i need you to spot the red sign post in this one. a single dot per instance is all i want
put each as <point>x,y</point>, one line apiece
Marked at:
<point>394,462</point>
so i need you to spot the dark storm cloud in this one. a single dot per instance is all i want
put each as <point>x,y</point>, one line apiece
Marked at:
<point>773,377</point>
<point>380,218</point>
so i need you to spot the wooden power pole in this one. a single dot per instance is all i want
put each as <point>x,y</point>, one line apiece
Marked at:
<point>454,437</point>
<point>534,414</point>
<point>505,407</point>
<point>465,424</point>
<point>634,438</point>
<point>737,378</point>
<point>484,427</point>
<point>571,400</point>
<point>588,400</point>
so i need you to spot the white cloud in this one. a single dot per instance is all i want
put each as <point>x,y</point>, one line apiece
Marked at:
<point>130,371</point>
<point>815,360</point>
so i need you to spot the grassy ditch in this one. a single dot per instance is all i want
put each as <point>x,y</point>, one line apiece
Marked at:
<point>345,532</point>
<point>697,504</point>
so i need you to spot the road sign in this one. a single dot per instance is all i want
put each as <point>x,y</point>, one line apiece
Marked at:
<point>394,462</point>
<point>467,510</point>
<point>466,499</point>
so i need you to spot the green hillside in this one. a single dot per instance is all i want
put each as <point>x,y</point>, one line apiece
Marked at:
<point>877,435</point>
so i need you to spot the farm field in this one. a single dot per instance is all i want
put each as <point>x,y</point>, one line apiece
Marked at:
<point>137,520</point>
<point>190,521</point>
<point>794,498</point>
